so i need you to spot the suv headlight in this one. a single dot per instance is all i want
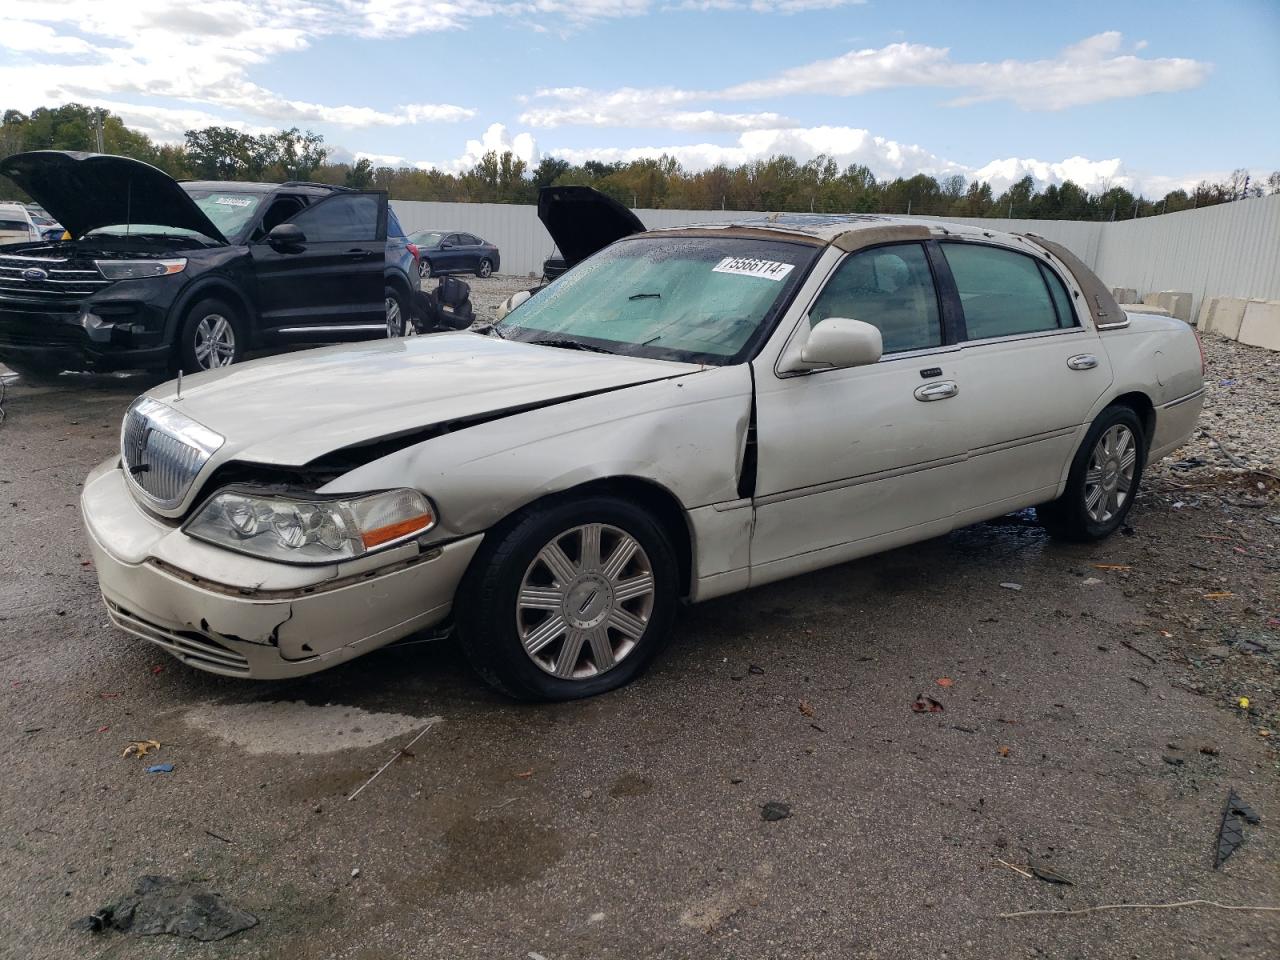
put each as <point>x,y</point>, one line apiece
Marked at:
<point>139,269</point>
<point>310,527</point>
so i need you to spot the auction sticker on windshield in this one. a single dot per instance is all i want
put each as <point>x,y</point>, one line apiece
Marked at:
<point>750,267</point>
<point>234,201</point>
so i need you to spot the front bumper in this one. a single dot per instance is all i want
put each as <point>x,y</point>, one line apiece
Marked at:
<point>82,338</point>
<point>243,617</point>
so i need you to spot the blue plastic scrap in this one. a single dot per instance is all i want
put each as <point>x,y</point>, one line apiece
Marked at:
<point>161,768</point>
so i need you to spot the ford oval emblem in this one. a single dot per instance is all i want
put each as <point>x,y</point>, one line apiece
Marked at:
<point>35,274</point>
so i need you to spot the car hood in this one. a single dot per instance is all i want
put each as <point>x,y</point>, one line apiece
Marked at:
<point>582,220</point>
<point>84,191</point>
<point>290,410</point>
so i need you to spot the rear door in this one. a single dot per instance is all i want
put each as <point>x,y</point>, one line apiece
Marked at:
<point>330,286</point>
<point>1034,368</point>
<point>451,253</point>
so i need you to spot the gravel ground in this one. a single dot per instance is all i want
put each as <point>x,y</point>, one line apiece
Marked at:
<point>1091,725</point>
<point>1238,431</point>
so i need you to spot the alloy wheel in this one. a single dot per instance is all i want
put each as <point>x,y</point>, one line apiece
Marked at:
<point>424,268</point>
<point>395,319</point>
<point>1108,481</point>
<point>215,342</point>
<point>585,601</point>
<point>486,268</point>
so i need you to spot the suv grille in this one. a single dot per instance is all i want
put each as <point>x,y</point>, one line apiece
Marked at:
<point>164,451</point>
<point>64,284</point>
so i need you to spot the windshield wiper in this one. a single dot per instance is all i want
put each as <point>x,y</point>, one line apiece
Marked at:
<point>569,345</point>
<point>645,296</point>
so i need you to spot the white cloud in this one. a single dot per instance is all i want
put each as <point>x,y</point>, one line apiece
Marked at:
<point>1089,71</point>
<point>495,138</point>
<point>171,50</point>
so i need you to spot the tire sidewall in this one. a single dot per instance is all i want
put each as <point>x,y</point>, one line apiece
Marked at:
<point>487,599</point>
<point>1073,504</point>
<point>185,353</point>
<point>481,269</point>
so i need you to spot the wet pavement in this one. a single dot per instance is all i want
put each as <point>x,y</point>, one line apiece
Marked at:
<point>1073,734</point>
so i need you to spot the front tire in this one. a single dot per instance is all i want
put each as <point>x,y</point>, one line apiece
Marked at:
<point>568,599</point>
<point>485,269</point>
<point>424,268</point>
<point>212,336</point>
<point>1103,481</point>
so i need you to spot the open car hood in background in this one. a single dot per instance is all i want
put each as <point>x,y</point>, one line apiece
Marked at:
<point>84,191</point>
<point>582,220</point>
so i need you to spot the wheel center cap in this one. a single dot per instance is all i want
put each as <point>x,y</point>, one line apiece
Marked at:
<point>588,601</point>
<point>1111,471</point>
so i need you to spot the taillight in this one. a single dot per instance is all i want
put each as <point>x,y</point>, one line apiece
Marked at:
<point>1199,346</point>
<point>413,248</point>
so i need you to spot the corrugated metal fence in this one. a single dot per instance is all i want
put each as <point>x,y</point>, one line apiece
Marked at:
<point>1228,250</point>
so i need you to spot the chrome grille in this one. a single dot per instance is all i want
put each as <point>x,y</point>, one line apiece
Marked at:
<point>163,451</point>
<point>65,282</point>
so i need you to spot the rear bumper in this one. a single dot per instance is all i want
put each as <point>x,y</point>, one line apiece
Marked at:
<point>241,631</point>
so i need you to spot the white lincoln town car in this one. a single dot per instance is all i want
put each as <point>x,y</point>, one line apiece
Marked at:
<point>685,414</point>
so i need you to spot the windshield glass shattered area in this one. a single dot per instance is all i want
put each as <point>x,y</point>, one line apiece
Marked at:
<point>699,299</point>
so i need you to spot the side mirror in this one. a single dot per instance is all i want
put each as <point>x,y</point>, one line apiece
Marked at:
<point>836,342</point>
<point>286,237</point>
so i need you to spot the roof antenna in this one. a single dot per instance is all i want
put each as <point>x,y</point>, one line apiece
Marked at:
<point>128,206</point>
<point>179,396</point>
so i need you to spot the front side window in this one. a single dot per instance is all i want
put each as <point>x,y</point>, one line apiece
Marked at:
<point>346,217</point>
<point>1003,293</point>
<point>890,288</point>
<point>697,299</point>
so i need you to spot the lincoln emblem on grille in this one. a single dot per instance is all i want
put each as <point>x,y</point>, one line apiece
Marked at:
<point>35,274</point>
<point>135,455</point>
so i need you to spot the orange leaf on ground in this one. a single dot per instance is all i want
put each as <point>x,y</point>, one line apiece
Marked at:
<point>1003,751</point>
<point>945,682</point>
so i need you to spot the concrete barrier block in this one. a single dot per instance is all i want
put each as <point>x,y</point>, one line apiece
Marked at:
<point>1208,306</point>
<point>1225,317</point>
<point>1176,302</point>
<point>1145,308</point>
<point>1261,324</point>
<point>1152,299</point>
<point>1125,294</point>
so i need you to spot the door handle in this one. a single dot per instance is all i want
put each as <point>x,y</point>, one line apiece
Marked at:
<point>358,254</point>
<point>942,390</point>
<point>1082,361</point>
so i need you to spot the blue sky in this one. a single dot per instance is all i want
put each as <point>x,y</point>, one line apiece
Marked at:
<point>1149,95</point>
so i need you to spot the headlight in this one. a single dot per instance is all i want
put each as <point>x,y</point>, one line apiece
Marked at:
<point>139,269</point>
<point>309,527</point>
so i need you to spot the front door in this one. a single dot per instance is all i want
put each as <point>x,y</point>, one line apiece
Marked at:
<point>851,461</point>
<point>331,284</point>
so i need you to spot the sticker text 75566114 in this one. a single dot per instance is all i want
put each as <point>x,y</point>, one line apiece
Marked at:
<point>751,267</point>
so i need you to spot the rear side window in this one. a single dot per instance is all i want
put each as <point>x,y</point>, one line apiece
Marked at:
<point>1003,293</point>
<point>471,241</point>
<point>393,225</point>
<point>890,288</point>
<point>346,218</point>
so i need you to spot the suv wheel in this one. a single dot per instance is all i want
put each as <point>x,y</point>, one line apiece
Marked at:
<point>485,268</point>
<point>570,599</point>
<point>212,336</point>
<point>398,322</point>
<point>1103,480</point>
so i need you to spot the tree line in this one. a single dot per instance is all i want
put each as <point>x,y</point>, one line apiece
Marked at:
<point>779,183</point>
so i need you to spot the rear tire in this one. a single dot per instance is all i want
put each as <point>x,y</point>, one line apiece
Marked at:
<point>399,323</point>
<point>484,269</point>
<point>1103,481</point>
<point>212,336</point>
<point>424,269</point>
<point>536,634</point>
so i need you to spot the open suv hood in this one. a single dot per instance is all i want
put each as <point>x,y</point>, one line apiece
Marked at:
<point>84,191</point>
<point>582,220</point>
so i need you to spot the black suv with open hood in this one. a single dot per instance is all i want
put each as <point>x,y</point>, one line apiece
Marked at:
<point>190,275</point>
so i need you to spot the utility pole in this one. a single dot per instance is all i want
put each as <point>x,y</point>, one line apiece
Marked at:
<point>97,128</point>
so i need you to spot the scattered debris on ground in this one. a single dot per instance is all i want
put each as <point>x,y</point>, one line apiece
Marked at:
<point>1235,815</point>
<point>162,905</point>
<point>775,810</point>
